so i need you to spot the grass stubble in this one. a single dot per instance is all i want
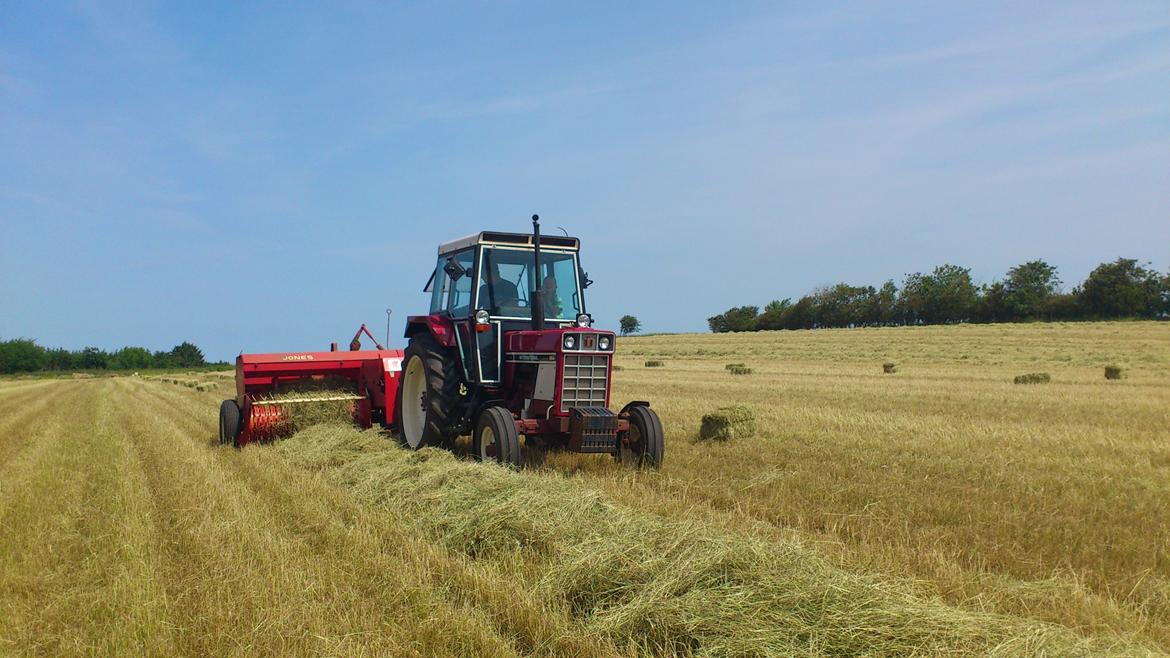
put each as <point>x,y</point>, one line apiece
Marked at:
<point>942,512</point>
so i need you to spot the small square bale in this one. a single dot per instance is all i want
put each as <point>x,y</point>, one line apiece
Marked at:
<point>1033,378</point>
<point>726,423</point>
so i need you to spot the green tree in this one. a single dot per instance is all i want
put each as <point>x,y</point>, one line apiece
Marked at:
<point>21,355</point>
<point>186,355</point>
<point>629,325</point>
<point>60,359</point>
<point>92,358</point>
<point>885,304</point>
<point>993,304</point>
<point>740,318</point>
<point>131,358</point>
<point>774,315</point>
<point>1028,288</point>
<point>1063,306</point>
<point>1122,288</point>
<point>945,295</point>
<point>802,314</point>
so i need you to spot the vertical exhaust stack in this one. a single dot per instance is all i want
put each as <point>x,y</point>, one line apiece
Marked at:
<point>538,293</point>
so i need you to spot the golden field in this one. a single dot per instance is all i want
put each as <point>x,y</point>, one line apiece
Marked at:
<point>940,510</point>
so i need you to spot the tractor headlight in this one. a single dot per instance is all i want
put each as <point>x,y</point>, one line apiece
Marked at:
<point>570,342</point>
<point>584,320</point>
<point>604,343</point>
<point>482,316</point>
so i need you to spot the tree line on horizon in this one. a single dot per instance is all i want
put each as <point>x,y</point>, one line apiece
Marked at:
<point>23,355</point>
<point>947,295</point>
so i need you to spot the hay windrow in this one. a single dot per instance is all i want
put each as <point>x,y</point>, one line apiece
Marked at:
<point>1033,378</point>
<point>654,364</point>
<point>654,585</point>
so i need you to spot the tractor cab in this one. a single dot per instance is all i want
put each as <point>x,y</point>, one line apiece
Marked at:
<point>484,284</point>
<point>508,342</point>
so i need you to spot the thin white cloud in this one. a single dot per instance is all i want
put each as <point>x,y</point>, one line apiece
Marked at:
<point>515,104</point>
<point>999,43</point>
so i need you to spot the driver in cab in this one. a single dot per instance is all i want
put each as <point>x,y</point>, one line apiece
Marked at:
<point>499,292</point>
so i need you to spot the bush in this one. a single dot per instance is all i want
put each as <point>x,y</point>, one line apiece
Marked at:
<point>1033,378</point>
<point>1113,372</point>
<point>654,364</point>
<point>889,368</point>
<point>726,423</point>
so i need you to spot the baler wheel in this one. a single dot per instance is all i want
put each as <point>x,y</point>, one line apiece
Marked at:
<point>645,440</point>
<point>427,393</point>
<point>229,422</point>
<point>496,438</point>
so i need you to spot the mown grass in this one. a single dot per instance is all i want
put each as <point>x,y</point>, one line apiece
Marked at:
<point>1045,501</point>
<point>943,511</point>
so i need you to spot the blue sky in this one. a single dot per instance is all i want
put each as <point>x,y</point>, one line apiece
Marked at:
<point>268,177</point>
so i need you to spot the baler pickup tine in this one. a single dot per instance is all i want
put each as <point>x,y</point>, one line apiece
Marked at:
<point>321,398</point>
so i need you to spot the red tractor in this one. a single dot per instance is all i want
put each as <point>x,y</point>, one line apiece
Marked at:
<point>506,351</point>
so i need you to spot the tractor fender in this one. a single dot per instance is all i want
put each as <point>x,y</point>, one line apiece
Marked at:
<point>633,403</point>
<point>440,327</point>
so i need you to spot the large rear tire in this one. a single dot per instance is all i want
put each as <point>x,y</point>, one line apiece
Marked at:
<point>643,446</point>
<point>496,438</point>
<point>229,422</point>
<point>427,393</point>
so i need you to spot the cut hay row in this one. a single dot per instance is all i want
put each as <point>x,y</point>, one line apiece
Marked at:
<point>653,585</point>
<point>200,386</point>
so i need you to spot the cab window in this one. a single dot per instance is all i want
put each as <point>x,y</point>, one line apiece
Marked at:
<point>452,296</point>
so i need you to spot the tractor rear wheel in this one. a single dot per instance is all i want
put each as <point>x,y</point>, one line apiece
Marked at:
<point>229,422</point>
<point>643,445</point>
<point>496,438</point>
<point>427,393</point>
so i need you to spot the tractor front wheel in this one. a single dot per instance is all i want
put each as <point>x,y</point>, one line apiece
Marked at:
<point>426,394</point>
<point>496,438</point>
<point>229,422</point>
<point>642,446</point>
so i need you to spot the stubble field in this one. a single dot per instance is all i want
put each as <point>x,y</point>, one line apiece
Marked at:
<point>940,510</point>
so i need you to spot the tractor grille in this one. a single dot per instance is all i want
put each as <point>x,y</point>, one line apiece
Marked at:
<point>584,380</point>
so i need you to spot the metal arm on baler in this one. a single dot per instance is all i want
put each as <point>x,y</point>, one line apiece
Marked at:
<point>356,344</point>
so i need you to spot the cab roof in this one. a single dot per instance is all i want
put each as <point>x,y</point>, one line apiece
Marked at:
<point>509,239</point>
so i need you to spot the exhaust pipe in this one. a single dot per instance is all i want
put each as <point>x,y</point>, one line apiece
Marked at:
<point>538,293</point>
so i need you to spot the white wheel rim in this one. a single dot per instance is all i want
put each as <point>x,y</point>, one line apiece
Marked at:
<point>487,439</point>
<point>414,413</point>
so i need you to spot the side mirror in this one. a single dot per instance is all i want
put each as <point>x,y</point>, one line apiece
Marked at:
<point>454,269</point>
<point>585,280</point>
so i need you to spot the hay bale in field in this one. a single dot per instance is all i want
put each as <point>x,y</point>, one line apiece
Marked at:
<point>740,370</point>
<point>1033,378</point>
<point>654,364</point>
<point>1113,372</point>
<point>732,366</point>
<point>889,367</point>
<point>726,423</point>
